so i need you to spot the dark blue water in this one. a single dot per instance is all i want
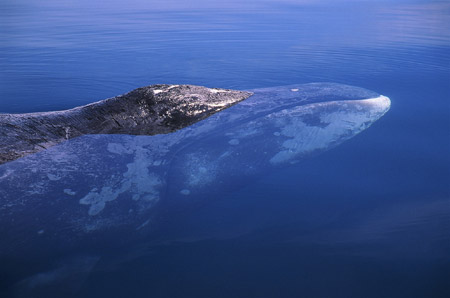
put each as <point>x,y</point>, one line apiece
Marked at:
<point>369,218</point>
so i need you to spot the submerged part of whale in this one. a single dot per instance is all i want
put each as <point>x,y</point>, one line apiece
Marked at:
<point>150,110</point>
<point>98,181</point>
<point>99,191</point>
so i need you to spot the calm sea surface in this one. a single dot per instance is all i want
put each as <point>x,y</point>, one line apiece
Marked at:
<point>370,218</point>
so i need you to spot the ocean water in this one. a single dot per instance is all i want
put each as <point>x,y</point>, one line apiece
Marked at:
<point>367,218</point>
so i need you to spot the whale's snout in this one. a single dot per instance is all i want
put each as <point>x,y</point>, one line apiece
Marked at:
<point>380,104</point>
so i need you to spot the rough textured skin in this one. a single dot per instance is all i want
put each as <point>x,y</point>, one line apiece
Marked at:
<point>150,110</point>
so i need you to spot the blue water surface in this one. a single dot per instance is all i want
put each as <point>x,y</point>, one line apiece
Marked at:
<point>369,218</point>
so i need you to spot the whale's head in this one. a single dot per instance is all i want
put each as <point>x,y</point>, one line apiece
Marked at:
<point>311,118</point>
<point>275,127</point>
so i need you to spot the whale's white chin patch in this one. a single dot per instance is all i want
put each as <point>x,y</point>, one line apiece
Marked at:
<point>381,103</point>
<point>320,126</point>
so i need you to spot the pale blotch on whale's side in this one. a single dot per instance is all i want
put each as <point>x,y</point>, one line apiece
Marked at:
<point>137,179</point>
<point>185,192</point>
<point>233,142</point>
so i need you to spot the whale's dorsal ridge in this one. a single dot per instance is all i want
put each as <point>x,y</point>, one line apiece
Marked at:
<point>149,110</point>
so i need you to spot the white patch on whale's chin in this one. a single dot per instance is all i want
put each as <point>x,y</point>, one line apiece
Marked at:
<point>340,120</point>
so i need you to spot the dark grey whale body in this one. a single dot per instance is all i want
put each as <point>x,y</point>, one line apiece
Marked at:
<point>149,110</point>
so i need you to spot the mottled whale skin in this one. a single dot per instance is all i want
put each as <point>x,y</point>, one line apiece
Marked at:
<point>94,193</point>
<point>150,110</point>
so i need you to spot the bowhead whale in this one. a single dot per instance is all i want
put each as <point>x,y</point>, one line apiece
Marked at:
<point>101,181</point>
<point>67,205</point>
<point>149,110</point>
